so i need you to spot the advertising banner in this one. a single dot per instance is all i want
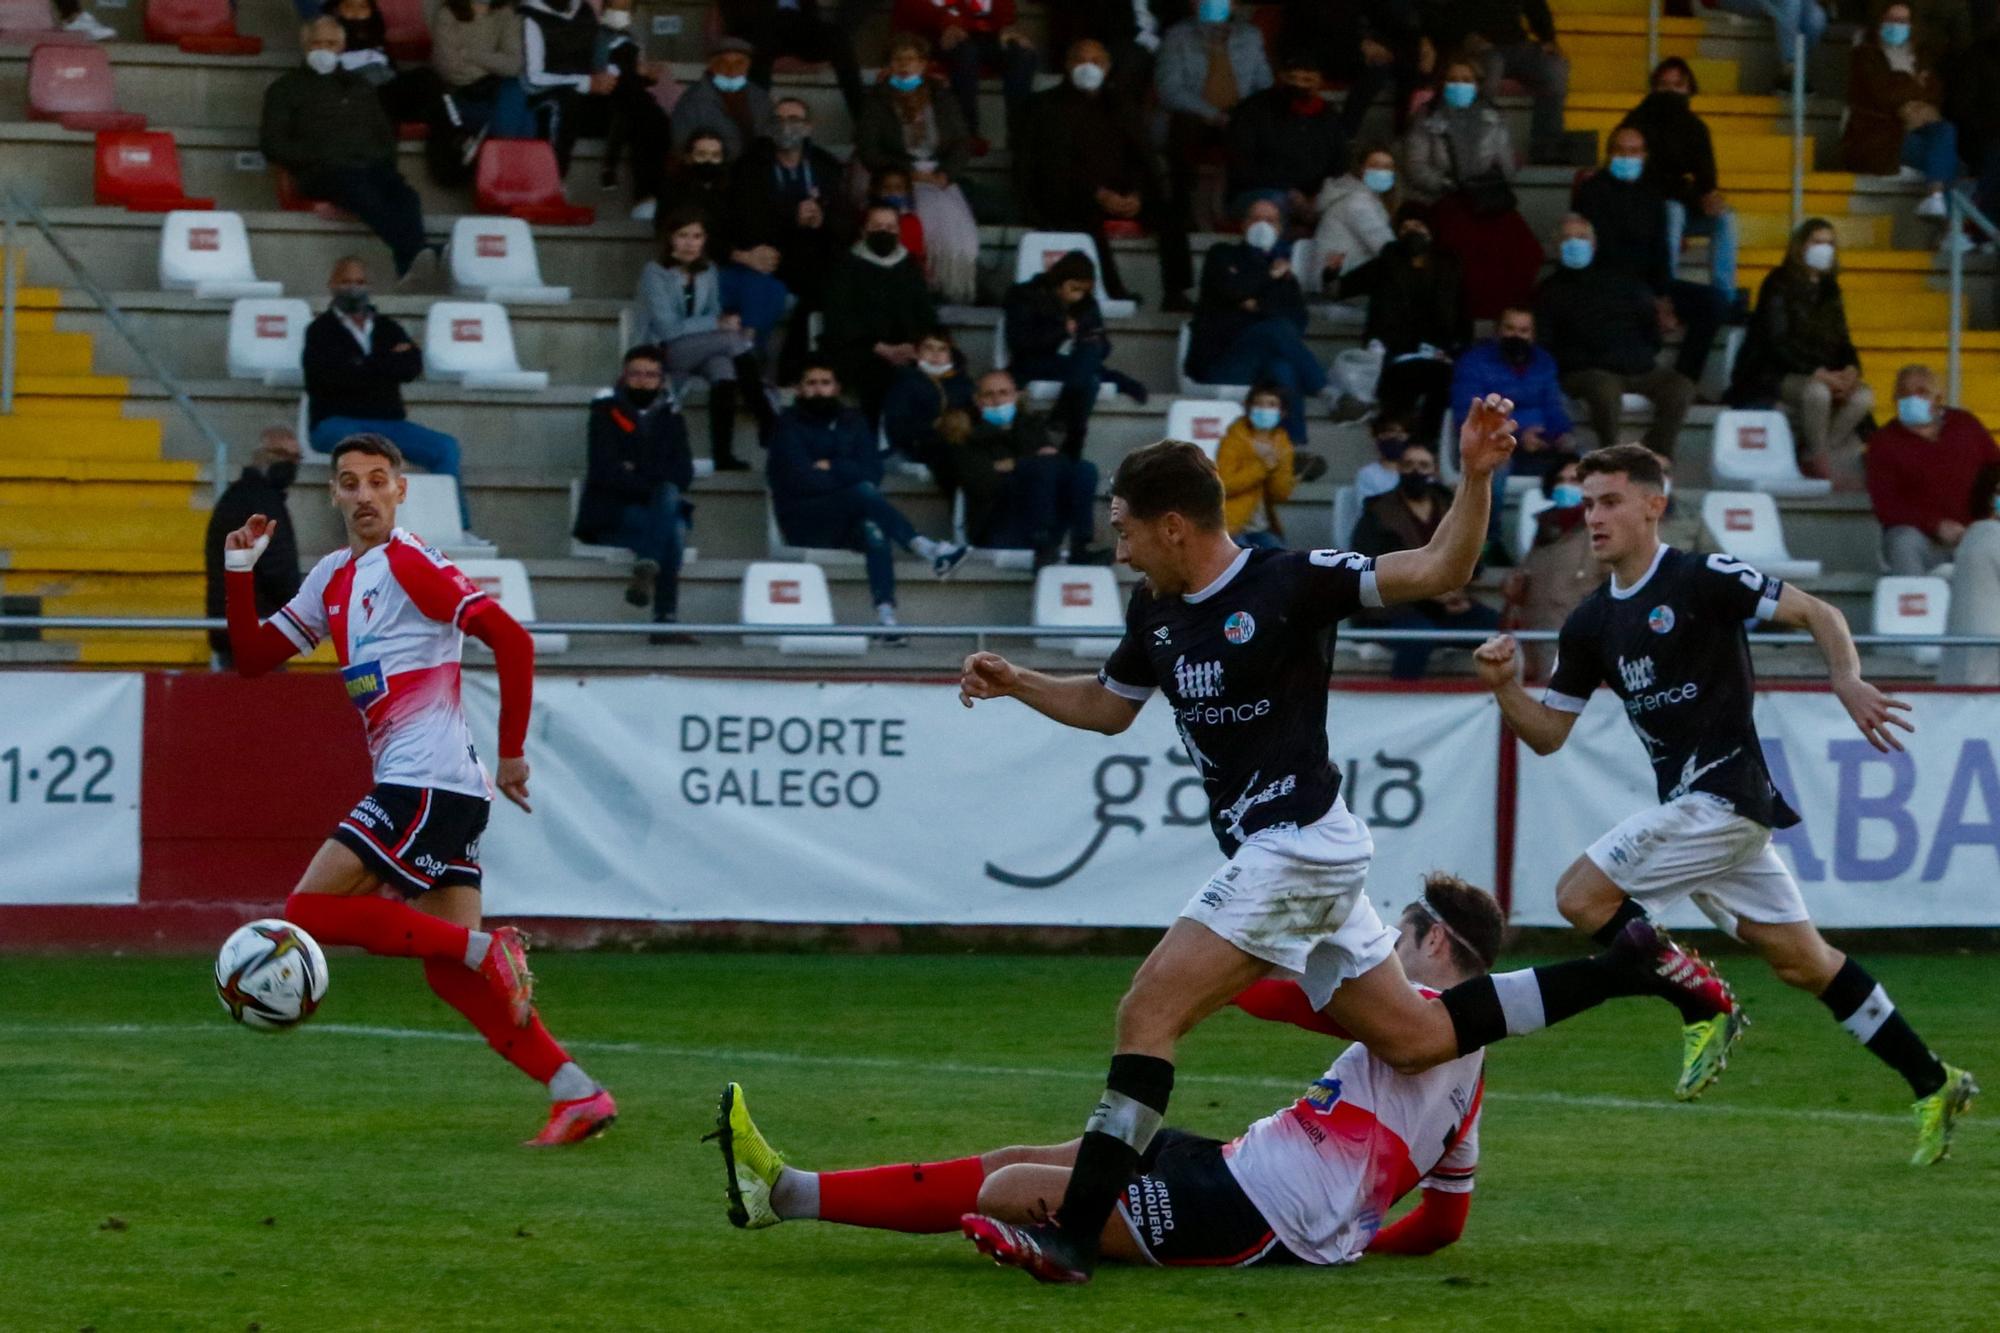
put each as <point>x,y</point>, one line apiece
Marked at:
<point>69,787</point>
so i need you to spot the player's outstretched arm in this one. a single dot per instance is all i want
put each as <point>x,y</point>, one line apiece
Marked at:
<point>1448,561</point>
<point>1074,701</point>
<point>1437,1221</point>
<point>1542,727</point>
<point>255,646</point>
<point>1873,711</point>
<point>514,662</point>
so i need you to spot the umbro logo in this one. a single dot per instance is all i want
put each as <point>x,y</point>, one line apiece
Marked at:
<point>1636,675</point>
<point>1160,635</point>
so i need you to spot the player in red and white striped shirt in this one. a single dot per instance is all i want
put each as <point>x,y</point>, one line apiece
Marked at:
<point>400,874</point>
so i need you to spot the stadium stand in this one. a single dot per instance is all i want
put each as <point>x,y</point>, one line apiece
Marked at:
<point>141,170</point>
<point>518,177</point>
<point>471,343</point>
<point>1078,597</point>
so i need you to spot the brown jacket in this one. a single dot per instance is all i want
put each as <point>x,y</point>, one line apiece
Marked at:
<point>1872,144</point>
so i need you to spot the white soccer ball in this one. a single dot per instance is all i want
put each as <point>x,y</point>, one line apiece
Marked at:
<point>270,975</point>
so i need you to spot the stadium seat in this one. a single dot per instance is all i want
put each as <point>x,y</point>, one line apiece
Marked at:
<point>1346,513</point>
<point>793,593</point>
<point>1913,605</point>
<point>779,549</point>
<point>208,253</point>
<point>1039,249</point>
<point>519,178</point>
<point>72,86</point>
<point>1202,421</point>
<point>430,511</point>
<point>493,259</point>
<point>506,581</point>
<point>408,36</point>
<point>1192,388</point>
<point>1079,597</point>
<point>471,343</point>
<point>1533,503</point>
<point>1754,450</point>
<point>141,170</point>
<point>32,23</point>
<point>1745,524</point>
<point>267,338</point>
<point>199,27</point>
<point>581,550</point>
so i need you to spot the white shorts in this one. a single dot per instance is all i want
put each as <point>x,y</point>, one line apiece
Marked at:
<point>1296,898</point>
<point>1698,847</point>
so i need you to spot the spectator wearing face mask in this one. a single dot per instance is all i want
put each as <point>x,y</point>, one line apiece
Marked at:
<point>1372,46</point>
<point>1402,520</point>
<point>877,307</point>
<point>560,66</point>
<point>909,124</point>
<point>698,182</point>
<point>1286,142</point>
<point>1559,569</point>
<point>1920,469</point>
<point>1513,366</point>
<point>1894,117</point>
<point>259,489</point>
<point>801,29</point>
<point>929,408</point>
<point>1208,64</point>
<point>1975,588</point>
<point>1255,461</point>
<point>629,118</point>
<point>405,94</point>
<point>1680,164</point>
<point>1354,213</point>
<point>1380,475</point>
<point>635,492</point>
<point>895,190</point>
<point>1798,353</point>
<point>1415,313</point>
<point>971,36</point>
<point>1085,161</point>
<point>1057,310</point>
<point>725,102</point>
<point>1513,39</point>
<point>1129,29</point>
<point>1021,492</point>
<point>790,218</point>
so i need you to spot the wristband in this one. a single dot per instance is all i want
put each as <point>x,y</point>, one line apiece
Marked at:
<point>243,561</point>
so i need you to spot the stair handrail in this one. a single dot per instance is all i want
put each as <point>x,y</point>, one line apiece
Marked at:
<point>1652,40</point>
<point>17,207</point>
<point>1960,209</point>
<point>1798,130</point>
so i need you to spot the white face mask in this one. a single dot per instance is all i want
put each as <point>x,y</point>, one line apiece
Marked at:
<point>935,368</point>
<point>618,20</point>
<point>322,61</point>
<point>1088,77</point>
<point>1819,256</point>
<point>1263,235</point>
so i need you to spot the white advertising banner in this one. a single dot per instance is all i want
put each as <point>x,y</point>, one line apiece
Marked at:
<point>695,799</point>
<point>69,787</point>
<point>1899,839</point>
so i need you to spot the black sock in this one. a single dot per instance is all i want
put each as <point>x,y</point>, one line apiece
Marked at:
<point>1117,1134</point>
<point>1692,1010</point>
<point>1860,1005</point>
<point>1628,912</point>
<point>1513,1004</point>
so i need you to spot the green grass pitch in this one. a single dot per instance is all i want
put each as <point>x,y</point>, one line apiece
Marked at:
<point>164,1169</point>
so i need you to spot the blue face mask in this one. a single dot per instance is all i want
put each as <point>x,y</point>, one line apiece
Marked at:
<point>1913,410</point>
<point>1567,496</point>
<point>1265,418</point>
<point>1459,96</point>
<point>899,202</point>
<point>1379,179</point>
<point>1895,34</point>
<point>1577,251</point>
<point>1213,11</point>
<point>731,83</point>
<point>906,83</point>
<point>1627,169</point>
<point>999,414</point>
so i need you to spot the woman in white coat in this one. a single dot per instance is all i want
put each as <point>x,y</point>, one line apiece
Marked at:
<point>1354,215</point>
<point>1975,589</point>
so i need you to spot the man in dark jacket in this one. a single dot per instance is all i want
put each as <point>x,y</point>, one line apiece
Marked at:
<point>796,28</point>
<point>790,217</point>
<point>325,125</point>
<point>1403,520</point>
<point>1603,328</point>
<point>1249,325</point>
<point>877,304</point>
<point>1630,216</point>
<point>356,362</point>
<point>1372,46</point>
<point>1416,312</point>
<point>634,494</point>
<point>1512,39</point>
<point>1021,492</point>
<point>1680,164</point>
<point>1054,309</point>
<point>1286,141</point>
<point>560,65</point>
<point>260,489</point>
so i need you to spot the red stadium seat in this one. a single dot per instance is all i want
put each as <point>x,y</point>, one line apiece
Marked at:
<point>518,178</point>
<point>141,170</point>
<point>72,85</point>
<point>199,27</point>
<point>409,39</point>
<point>294,200</point>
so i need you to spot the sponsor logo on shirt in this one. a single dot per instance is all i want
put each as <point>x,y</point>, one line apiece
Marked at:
<point>1637,674</point>
<point>1660,619</point>
<point>366,682</point>
<point>1339,559</point>
<point>1239,628</point>
<point>1197,680</point>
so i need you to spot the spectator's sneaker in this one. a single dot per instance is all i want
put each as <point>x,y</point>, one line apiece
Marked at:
<point>645,573</point>
<point>1933,205</point>
<point>1041,1251</point>
<point>575,1120</point>
<point>1938,1112</point>
<point>730,463</point>
<point>885,614</point>
<point>947,561</point>
<point>87,25</point>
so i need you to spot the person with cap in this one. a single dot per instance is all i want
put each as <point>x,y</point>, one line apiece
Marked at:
<point>725,101</point>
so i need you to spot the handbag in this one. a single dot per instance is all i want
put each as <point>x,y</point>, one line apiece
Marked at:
<point>1486,195</point>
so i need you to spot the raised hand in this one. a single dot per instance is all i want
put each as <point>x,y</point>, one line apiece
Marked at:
<point>986,676</point>
<point>1486,440</point>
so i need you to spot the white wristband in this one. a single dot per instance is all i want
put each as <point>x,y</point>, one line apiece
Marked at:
<point>242,562</point>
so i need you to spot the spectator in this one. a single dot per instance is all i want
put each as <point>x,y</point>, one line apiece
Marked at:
<point>1021,492</point>
<point>404,94</point>
<point>325,126</point>
<point>1402,520</point>
<point>1381,475</point>
<point>1513,39</point>
<point>1286,142</point>
<point>1511,365</point>
<point>908,124</point>
<point>1790,20</point>
<point>1207,65</point>
<point>1057,309</point>
<point>1249,324</point>
<point>1415,313</point>
<point>1603,328</point>
<point>1559,569</point>
<point>824,472</point>
<point>1972,100</point>
<point>970,36</point>
<point>795,28</point>
<point>724,102</point>
<point>1129,29</point>
<point>790,217</point>
<point>635,493</point>
<point>1085,161</point>
<point>699,185</point>
<point>560,66</point>
<point>877,306</point>
<point>1354,211</point>
<point>682,310</point>
<point>1630,216</point>
<point>1921,469</point>
<point>894,188</point>
<point>630,117</point>
<point>356,362</point>
<point>1798,351</point>
<point>476,53</point>
<point>1975,589</point>
<point>929,407</point>
<point>1460,160</point>
<point>75,18</point>
<point>1680,164</point>
<point>1254,460</point>
<point>1372,46</point>
<point>1894,120</point>
<point>259,489</point>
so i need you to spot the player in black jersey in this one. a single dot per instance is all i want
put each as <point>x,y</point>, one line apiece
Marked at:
<point>1666,633</point>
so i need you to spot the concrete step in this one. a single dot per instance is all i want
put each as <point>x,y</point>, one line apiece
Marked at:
<point>115,532</point>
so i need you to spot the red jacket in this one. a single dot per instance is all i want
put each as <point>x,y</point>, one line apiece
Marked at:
<point>1919,483</point>
<point>932,17</point>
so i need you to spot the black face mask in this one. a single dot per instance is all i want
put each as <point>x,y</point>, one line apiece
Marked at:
<point>641,398</point>
<point>1414,484</point>
<point>1415,243</point>
<point>882,243</point>
<point>1517,351</point>
<point>819,405</point>
<point>282,475</point>
<point>350,300</point>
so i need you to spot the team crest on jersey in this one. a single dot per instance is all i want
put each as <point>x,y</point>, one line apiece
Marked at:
<point>1323,1093</point>
<point>1660,619</point>
<point>368,604</point>
<point>1239,628</point>
<point>365,683</point>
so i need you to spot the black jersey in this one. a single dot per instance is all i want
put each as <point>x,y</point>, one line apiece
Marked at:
<point>1673,647</point>
<point>1245,664</point>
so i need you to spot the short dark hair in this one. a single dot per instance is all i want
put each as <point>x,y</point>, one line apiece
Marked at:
<point>1636,461</point>
<point>1263,387</point>
<point>378,446</point>
<point>1473,924</point>
<point>1072,267</point>
<point>1170,477</point>
<point>646,352</point>
<point>825,363</point>
<point>1297,58</point>
<point>684,216</point>
<point>1556,460</point>
<point>1686,70</point>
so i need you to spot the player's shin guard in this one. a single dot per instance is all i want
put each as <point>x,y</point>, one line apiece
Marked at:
<point>1860,1005</point>
<point>529,1049</point>
<point>1116,1136</point>
<point>379,925</point>
<point>922,1197</point>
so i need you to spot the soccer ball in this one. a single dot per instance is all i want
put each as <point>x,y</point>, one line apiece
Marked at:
<point>270,975</point>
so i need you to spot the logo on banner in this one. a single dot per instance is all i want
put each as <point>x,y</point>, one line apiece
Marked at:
<point>1197,680</point>
<point>1239,628</point>
<point>1637,675</point>
<point>1660,619</point>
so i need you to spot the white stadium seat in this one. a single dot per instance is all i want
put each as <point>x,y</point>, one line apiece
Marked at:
<point>208,253</point>
<point>493,259</point>
<point>430,511</point>
<point>1202,421</point>
<point>267,338</point>
<point>1039,249</point>
<point>1533,504</point>
<point>1191,388</point>
<point>1754,450</point>
<point>1079,597</point>
<point>506,581</point>
<point>1913,605</point>
<point>793,593</point>
<point>472,343</point>
<point>1745,524</point>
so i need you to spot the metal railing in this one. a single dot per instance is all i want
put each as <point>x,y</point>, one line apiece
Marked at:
<point>1798,130</point>
<point>1652,40</point>
<point>1961,210</point>
<point>15,207</point>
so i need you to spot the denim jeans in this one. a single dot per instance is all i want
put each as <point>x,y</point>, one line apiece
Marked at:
<point>431,450</point>
<point>381,198</point>
<point>858,518</point>
<point>1276,350</point>
<point>1790,18</point>
<point>1409,660</point>
<point>1933,150</point>
<point>656,532</point>
<point>1721,233</point>
<point>965,62</point>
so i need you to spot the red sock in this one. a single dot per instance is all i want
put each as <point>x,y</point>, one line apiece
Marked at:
<point>923,1197</point>
<point>530,1049</point>
<point>379,925</point>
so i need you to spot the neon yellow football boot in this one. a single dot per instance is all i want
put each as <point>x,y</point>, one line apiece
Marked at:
<point>1705,1048</point>
<point>751,1165</point>
<point>1937,1113</point>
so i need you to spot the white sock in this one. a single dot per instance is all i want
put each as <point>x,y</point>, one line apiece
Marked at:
<point>1520,1001</point>
<point>477,942</point>
<point>570,1083</point>
<point>796,1195</point>
<point>928,547</point>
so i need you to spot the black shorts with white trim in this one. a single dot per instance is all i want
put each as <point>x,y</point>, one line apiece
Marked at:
<point>1186,1210</point>
<point>416,839</point>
